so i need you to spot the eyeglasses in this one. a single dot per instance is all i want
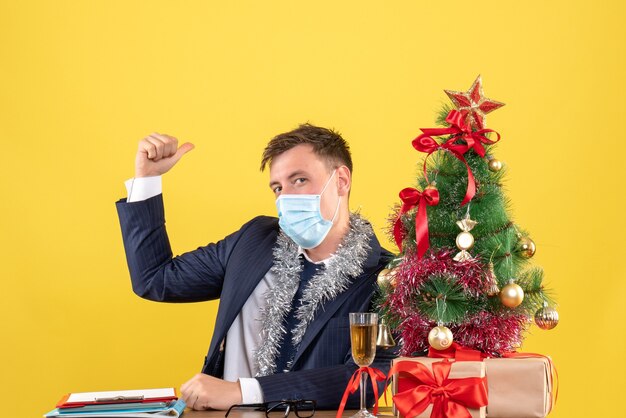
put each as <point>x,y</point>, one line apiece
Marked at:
<point>275,409</point>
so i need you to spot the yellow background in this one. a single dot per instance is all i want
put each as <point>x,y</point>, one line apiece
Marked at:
<point>81,82</point>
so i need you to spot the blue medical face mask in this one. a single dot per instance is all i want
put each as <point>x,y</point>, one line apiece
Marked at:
<point>300,217</point>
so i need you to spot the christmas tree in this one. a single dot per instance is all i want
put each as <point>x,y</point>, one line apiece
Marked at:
<point>463,273</point>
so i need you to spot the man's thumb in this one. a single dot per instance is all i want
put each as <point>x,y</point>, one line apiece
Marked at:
<point>182,150</point>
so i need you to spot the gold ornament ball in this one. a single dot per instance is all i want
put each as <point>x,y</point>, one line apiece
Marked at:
<point>464,241</point>
<point>512,295</point>
<point>387,276</point>
<point>383,276</point>
<point>527,247</point>
<point>495,165</point>
<point>547,318</point>
<point>440,338</point>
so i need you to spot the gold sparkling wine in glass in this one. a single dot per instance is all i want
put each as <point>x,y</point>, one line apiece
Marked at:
<point>363,343</point>
<point>363,330</point>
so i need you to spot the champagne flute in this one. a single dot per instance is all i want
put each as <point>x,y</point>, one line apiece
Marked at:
<point>363,330</point>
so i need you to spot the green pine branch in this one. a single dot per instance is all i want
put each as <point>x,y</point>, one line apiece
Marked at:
<point>442,299</point>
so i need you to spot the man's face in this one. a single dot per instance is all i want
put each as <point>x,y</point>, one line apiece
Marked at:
<point>300,171</point>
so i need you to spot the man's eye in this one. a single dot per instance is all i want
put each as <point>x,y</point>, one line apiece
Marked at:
<point>277,189</point>
<point>300,180</point>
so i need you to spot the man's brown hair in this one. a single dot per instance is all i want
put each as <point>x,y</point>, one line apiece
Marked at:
<point>327,144</point>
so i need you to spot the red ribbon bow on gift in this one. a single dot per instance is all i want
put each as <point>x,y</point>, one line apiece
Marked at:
<point>353,386</point>
<point>459,130</point>
<point>450,397</point>
<point>411,198</point>
<point>461,353</point>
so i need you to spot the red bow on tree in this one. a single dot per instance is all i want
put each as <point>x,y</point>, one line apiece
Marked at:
<point>450,397</point>
<point>459,131</point>
<point>411,198</point>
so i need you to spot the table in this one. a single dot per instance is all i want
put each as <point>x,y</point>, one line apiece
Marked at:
<point>382,412</point>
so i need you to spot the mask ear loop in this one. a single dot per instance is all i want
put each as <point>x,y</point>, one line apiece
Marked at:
<point>339,197</point>
<point>328,182</point>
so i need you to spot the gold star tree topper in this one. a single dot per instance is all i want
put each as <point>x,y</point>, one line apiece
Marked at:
<point>474,104</point>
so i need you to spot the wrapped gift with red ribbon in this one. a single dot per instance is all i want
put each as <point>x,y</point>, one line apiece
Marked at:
<point>436,388</point>
<point>519,385</point>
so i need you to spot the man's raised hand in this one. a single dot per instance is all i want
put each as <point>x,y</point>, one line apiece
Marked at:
<point>157,154</point>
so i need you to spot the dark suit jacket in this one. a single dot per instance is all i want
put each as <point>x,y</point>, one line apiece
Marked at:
<point>230,270</point>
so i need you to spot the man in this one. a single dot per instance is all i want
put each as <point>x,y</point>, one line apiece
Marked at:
<point>285,285</point>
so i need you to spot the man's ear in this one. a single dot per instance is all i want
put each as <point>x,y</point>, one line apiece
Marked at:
<point>344,179</point>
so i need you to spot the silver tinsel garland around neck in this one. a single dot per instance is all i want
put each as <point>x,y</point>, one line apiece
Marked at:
<point>325,285</point>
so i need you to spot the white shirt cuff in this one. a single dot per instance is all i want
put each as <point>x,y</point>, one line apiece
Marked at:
<point>143,188</point>
<point>251,391</point>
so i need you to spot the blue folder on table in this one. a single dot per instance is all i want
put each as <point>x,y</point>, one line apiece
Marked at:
<point>171,409</point>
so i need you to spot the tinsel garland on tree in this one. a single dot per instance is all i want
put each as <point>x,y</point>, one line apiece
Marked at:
<point>474,278</point>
